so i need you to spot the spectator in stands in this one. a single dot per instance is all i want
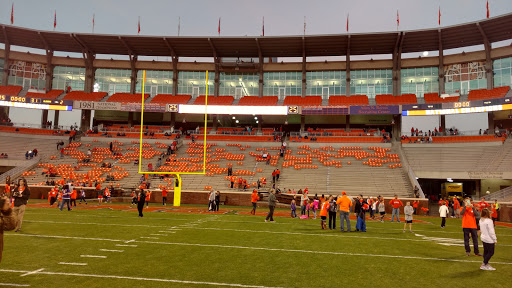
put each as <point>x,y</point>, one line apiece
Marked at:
<point>272,201</point>
<point>7,221</point>
<point>278,173</point>
<point>396,203</point>
<point>26,155</point>
<point>469,226</point>
<point>230,171</point>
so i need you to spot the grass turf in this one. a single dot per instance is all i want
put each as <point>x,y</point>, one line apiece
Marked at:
<point>213,249</point>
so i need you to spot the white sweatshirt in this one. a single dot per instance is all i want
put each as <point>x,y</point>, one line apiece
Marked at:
<point>443,211</point>
<point>487,229</point>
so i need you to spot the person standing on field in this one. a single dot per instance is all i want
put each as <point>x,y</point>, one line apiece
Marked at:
<point>333,208</point>
<point>21,193</point>
<point>254,201</point>
<point>396,203</point>
<point>344,203</point>
<point>408,211</point>
<point>271,206</point>
<point>141,199</point>
<point>488,238</point>
<point>443,212</point>
<point>469,227</point>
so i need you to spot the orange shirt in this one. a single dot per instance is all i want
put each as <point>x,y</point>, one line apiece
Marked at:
<point>73,194</point>
<point>456,204</point>
<point>396,203</point>
<point>415,204</point>
<point>98,187</point>
<point>148,196</point>
<point>325,208</point>
<point>494,213</point>
<point>468,219</point>
<point>254,197</point>
<point>164,193</point>
<point>483,205</point>
<point>344,203</point>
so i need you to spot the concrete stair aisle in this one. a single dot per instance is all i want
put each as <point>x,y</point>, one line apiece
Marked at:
<point>502,161</point>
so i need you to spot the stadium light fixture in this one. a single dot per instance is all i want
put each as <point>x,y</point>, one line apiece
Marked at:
<point>233,117</point>
<point>425,54</point>
<point>237,121</point>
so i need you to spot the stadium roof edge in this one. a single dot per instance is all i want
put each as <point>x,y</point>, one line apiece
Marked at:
<point>497,29</point>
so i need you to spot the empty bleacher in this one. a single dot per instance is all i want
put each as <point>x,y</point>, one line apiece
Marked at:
<point>484,94</point>
<point>457,139</point>
<point>258,101</point>
<point>53,94</point>
<point>10,90</point>
<point>434,98</point>
<point>168,98</point>
<point>396,100</point>
<point>350,100</point>
<point>82,96</point>
<point>219,100</point>
<point>127,98</point>
<point>303,101</point>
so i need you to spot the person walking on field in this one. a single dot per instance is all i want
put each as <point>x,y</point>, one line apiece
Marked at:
<point>488,238</point>
<point>456,207</point>
<point>396,203</point>
<point>271,206</point>
<point>382,210</point>
<point>7,221</point>
<point>443,212</point>
<point>21,193</point>
<point>82,196</point>
<point>408,211</point>
<point>164,196</point>
<point>344,203</point>
<point>469,227</point>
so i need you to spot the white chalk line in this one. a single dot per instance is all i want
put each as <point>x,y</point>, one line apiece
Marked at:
<point>32,272</point>
<point>140,279</point>
<point>109,250</point>
<point>167,232</point>
<point>73,264</point>
<point>14,285</point>
<point>272,249</point>
<point>93,256</point>
<point>155,238</point>
<point>122,245</point>
<point>157,235</point>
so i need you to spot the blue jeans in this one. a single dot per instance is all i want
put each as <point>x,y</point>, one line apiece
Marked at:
<point>303,210</point>
<point>396,211</point>
<point>361,224</point>
<point>344,216</point>
<point>64,201</point>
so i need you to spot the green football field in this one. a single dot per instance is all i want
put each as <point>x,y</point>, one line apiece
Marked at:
<point>115,248</point>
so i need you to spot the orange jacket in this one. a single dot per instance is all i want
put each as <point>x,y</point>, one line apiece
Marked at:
<point>73,194</point>
<point>396,203</point>
<point>325,208</point>
<point>254,197</point>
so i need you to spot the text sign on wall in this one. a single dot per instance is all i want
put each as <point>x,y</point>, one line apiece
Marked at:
<point>380,109</point>
<point>90,105</point>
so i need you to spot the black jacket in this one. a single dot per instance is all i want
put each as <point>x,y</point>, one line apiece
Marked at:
<point>21,199</point>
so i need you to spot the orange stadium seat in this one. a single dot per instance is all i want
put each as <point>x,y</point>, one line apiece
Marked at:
<point>127,98</point>
<point>350,100</point>
<point>303,101</point>
<point>483,94</point>
<point>53,94</point>
<point>82,96</point>
<point>258,101</point>
<point>434,98</point>
<point>395,100</point>
<point>219,100</point>
<point>168,98</point>
<point>10,90</point>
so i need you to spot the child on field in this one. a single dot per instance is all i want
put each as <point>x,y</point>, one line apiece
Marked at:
<point>294,208</point>
<point>488,237</point>
<point>323,214</point>
<point>382,210</point>
<point>408,211</point>
<point>443,212</point>
<point>361,218</point>
<point>316,204</point>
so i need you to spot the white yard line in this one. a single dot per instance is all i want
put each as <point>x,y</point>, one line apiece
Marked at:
<point>155,238</point>
<point>108,250</point>
<point>93,256</point>
<point>74,264</point>
<point>123,245</point>
<point>14,285</point>
<point>265,249</point>
<point>157,235</point>
<point>32,272</point>
<point>140,279</point>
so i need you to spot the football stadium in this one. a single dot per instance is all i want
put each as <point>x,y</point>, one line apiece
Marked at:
<point>212,155</point>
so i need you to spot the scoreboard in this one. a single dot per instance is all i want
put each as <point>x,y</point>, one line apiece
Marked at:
<point>35,103</point>
<point>463,107</point>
